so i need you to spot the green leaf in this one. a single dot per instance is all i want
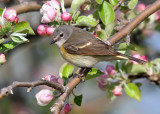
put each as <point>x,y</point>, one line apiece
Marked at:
<point>133,91</point>
<point>7,46</point>
<point>5,29</point>
<point>93,73</point>
<point>109,29</point>
<point>113,2</point>
<point>123,46</point>
<point>131,14</point>
<point>156,61</point>
<point>78,100</point>
<point>19,39</point>
<point>23,27</point>
<point>132,4</point>
<point>99,1</point>
<point>106,13</point>
<point>1,11</point>
<point>76,5</point>
<point>76,15</point>
<point>102,35</point>
<point>86,21</point>
<point>1,40</point>
<point>65,70</point>
<point>135,68</point>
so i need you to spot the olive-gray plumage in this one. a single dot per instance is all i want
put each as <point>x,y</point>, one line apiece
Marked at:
<point>83,49</point>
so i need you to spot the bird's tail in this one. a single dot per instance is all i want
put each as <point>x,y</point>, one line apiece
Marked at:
<point>131,58</point>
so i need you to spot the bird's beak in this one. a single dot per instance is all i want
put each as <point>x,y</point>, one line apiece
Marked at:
<point>54,40</point>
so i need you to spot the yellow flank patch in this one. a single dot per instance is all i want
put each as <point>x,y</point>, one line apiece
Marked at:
<point>121,57</point>
<point>87,44</point>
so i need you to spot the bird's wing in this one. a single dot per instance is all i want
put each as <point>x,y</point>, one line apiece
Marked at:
<point>93,46</point>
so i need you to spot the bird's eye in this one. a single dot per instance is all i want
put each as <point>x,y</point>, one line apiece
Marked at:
<point>61,35</point>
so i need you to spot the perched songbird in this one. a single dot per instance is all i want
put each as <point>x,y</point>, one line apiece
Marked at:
<point>83,49</point>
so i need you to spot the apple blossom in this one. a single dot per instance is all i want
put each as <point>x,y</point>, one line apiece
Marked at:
<point>51,78</point>
<point>10,15</point>
<point>110,69</point>
<point>2,58</point>
<point>44,97</point>
<point>41,30</point>
<point>117,91</point>
<point>141,7</point>
<point>67,108</point>
<point>66,16</point>
<point>49,30</point>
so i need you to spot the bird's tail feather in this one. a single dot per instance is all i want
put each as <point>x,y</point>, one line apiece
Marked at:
<point>131,58</point>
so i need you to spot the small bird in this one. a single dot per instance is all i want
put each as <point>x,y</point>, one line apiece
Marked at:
<point>83,49</point>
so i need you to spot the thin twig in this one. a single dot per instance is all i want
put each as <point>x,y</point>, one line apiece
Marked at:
<point>117,5</point>
<point>9,90</point>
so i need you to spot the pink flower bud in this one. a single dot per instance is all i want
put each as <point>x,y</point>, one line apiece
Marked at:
<point>54,4</point>
<point>95,33</point>
<point>10,14</point>
<point>2,58</point>
<point>86,6</point>
<point>41,30</point>
<point>141,7</point>
<point>16,20</point>
<point>49,30</point>
<point>66,16</point>
<point>51,78</point>
<point>0,26</point>
<point>67,108</point>
<point>110,69</point>
<point>117,91</point>
<point>44,97</point>
<point>102,87</point>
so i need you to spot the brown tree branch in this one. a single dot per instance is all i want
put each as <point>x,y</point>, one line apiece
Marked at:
<point>117,5</point>
<point>69,87</point>
<point>9,90</point>
<point>134,23</point>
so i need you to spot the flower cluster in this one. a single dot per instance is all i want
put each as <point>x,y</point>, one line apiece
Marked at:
<point>45,30</point>
<point>51,12</point>
<point>45,96</point>
<point>102,80</point>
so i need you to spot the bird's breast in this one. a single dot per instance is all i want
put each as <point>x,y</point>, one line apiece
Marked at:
<point>78,60</point>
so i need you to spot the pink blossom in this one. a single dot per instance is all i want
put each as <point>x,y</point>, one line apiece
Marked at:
<point>102,81</point>
<point>16,20</point>
<point>49,30</point>
<point>2,58</point>
<point>110,70</point>
<point>41,30</point>
<point>51,78</point>
<point>66,16</point>
<point>54,4</point>
<point>67,108</point>
<point>86,6</point>
<point>117,91</point>
<point>44,97</point>
<point>143,57</point>
<point>141,7</point>
<point>10,14</point>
